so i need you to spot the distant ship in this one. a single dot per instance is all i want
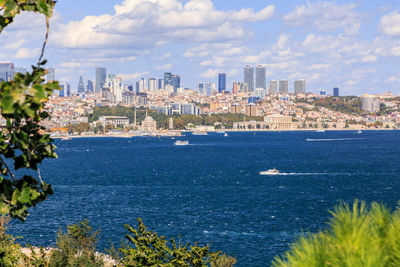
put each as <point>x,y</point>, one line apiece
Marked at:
<point>320,131</point>
<point>66,139</point>
<point>220,132</point>
<point>270,172</point>
<point>199,133</point>
<point>181,143</point>
<point>359,131</point>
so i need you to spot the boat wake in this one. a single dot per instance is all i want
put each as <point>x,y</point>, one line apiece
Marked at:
<point>333,139</point>
<point>307,173</point>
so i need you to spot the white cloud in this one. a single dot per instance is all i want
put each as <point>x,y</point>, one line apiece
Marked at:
<point>210,73</point>
<point>390,24</point>
<point>370,58</point>
<point>164,67</point>
<point>393,79</point>
<point>325,16</point>
<point>165,56</point>
<point>133,76</point>
<point>143,23</point>
<point>24,53</point>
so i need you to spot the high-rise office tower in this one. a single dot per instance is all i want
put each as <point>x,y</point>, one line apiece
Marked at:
<point>283,87</point>
<point>261,81</point>
<point>160,84</point>
<point>221,82</point>
<point>176,81</point>
<point>201,88</point>
<point>300,86</point>
<point>51,74</point>
<point>89,87</point>
<point>101,76</point>
<point>248,73</point>
<point>235,88</point>
<point>65,90</point>
<point>6,72</point>
<point>167,78</point>
<point>273,87</point>
<point>141,86</point>
<point>81,86</point>
<point>153,84</point>
<point>336,91</point>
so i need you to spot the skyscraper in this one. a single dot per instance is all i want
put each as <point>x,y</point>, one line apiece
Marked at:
<point>201,88</point>
<point>65,90</point>
<point>235,88</point>
<point>176,81</point>
<point>160,84</point>
<point>283,87</point>
<point>336,91</point>
<point>273,87</point>
<point>6,71</point>
<point>101,75</point>
<point>221,82</point>
<point>248,73</point>
<point>261,81</point>
<point>300,86</point>
<point>89,87</point>
<point>167,78</point>
<point>51,74</point>
<point>81,86</point>
<point>153,84</point>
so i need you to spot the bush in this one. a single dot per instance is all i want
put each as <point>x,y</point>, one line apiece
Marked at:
<point>224,261</point>
<point>356,237</point>
<point>153,250</point>
<point>10,252</point>
<point>77,247</point>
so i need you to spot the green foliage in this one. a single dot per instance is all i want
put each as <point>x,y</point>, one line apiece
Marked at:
<point>77,247</point>
<point>37,258</point>
<point>11,8</point>
<point>22,141</point>
<point>357,236</point>
<point>153,250</point>
<point>10,252</point>
<point>224,261</point>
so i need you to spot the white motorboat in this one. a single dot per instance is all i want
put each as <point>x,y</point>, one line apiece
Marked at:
<point>320,131</point>
<point>270,172</point>
<point>199,133</point>
<point>181,143</point>
<point>225,134</point>
<point>66,138</point>
<point>359,131</point>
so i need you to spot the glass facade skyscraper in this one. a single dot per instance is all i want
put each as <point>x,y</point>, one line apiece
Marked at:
<point>336,91</point>
<point>248,73</point>
<point>176,81</point>
<point>283,87</point>
<point>81,86</point>
<point>101,76</point>
<point>273,87</point>
<point>221,82</point>
<point>6,71</point>
<point>300,86</point>
<point>261,81</point>
<point>167,78</point>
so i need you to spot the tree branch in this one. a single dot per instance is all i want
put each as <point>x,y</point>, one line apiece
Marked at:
<point>8,169</point>
<point>45,40</point>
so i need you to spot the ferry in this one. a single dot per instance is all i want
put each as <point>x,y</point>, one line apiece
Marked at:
<point>270,172</point>
<point>199,133</point>
<point>181,143</point>
<point>66,138</point>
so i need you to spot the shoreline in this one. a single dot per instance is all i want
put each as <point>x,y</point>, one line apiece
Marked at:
<point>160,135</point>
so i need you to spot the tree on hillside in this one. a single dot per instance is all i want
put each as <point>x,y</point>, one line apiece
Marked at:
<point>23,145</point>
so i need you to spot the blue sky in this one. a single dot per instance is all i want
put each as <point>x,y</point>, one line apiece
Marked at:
<point>351,44</point>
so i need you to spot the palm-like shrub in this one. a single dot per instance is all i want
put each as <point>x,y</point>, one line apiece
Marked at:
<point>357,236</point>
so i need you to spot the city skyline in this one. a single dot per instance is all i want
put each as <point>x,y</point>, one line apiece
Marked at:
<point>353,46</point>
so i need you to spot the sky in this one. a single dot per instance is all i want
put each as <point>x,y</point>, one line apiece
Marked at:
<point>354,45</point>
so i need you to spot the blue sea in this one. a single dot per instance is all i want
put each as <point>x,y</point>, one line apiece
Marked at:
<point>211,191</point>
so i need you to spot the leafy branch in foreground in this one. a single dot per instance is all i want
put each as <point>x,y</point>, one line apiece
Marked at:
<point>153,250</point>
<point>356,237</point>
<point>23,145</point>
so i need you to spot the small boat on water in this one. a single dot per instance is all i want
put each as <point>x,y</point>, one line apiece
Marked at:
<point>270,172</point>
<point>181,143</point>
<point>320,131</point>
<point>359,131</point>
<point>225,134</point>
<point>199,133</point>
<point>221,132</point>
<point>66,138</point>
